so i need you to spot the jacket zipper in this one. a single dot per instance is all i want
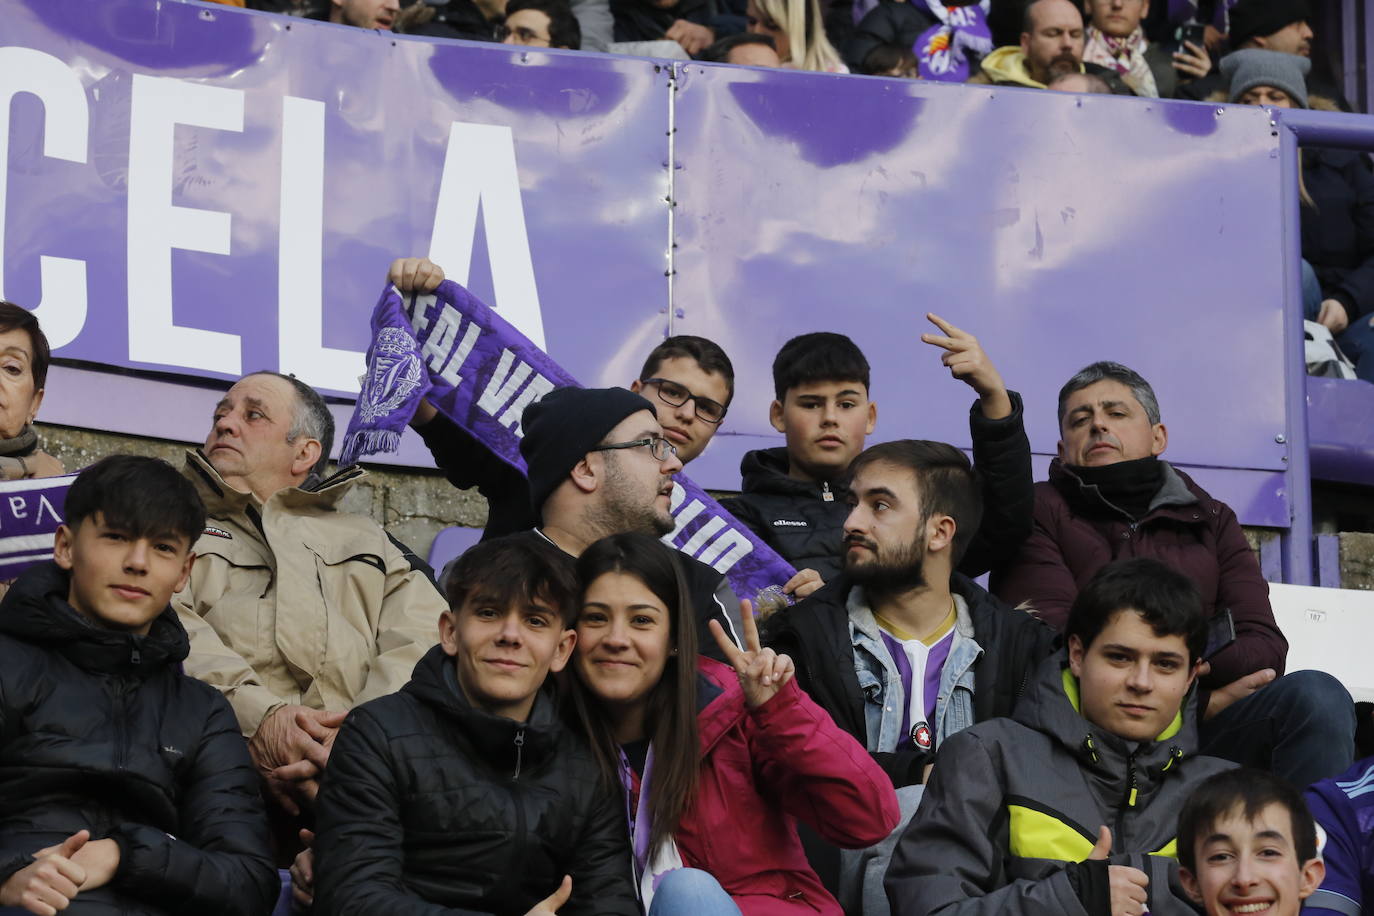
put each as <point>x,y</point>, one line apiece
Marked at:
<point>121,706</point>
<point>1132,793</point>
<point>826,495</point>
<point>519,750</point>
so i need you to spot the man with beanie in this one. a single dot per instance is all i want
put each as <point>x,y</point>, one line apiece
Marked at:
<point>1269,25</point>
<point>1110,497</point>
<point>688,380</point>
<point>599,465</point>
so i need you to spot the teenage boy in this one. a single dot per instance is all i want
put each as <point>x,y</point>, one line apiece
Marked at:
<point>1247,844</point>
<point>463,791</point>
<point>1071,806</point>
<point>688,381</point>
<point>125,786</point>
<point>794,498</point>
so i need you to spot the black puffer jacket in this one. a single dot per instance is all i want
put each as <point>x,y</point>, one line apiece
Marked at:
<point>816,635</point>
<point>431,806</point>
<point>99,730</point>
<point>804,522</point>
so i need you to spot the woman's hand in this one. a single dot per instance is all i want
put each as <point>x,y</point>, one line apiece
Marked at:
<point>1192,61</point>
<point>762,672</point>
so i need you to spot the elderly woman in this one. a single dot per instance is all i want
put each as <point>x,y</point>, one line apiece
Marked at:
<point>1337,211</point>
<point>23,372</point>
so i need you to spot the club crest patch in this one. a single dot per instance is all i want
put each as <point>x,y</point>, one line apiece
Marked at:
<point>920,736</point>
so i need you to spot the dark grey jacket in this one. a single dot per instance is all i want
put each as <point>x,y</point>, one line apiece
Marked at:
<point>1013,803</point>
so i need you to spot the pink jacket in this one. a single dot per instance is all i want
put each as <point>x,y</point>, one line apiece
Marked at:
<point>762,768</point>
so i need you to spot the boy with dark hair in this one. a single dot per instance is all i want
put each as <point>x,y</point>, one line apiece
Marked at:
<point>124,785</point>
<point>526,19</point>
<point>1248,844</point>
<point>463,791</point>
<point>794,497</point>
<point>1071,806</point>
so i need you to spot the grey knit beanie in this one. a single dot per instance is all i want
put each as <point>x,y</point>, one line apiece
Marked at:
<point>1244,70</point>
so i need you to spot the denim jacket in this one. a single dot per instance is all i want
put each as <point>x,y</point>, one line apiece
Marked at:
<point>881,682</point>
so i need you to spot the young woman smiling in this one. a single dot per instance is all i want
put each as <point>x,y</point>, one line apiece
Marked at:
<point>716,760</point>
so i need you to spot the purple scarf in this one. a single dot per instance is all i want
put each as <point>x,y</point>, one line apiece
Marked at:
<point>30,511</point>
<point>481,373</point>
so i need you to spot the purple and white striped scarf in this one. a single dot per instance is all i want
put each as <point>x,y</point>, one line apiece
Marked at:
<point>475,368</point>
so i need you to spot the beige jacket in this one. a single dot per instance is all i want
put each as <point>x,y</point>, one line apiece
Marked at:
<point>296,602</point>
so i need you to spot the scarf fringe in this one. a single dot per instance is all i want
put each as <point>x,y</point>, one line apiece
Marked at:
<point>368,442</point>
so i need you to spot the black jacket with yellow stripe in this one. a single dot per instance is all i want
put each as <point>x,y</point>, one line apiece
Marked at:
<point>1012,802</point>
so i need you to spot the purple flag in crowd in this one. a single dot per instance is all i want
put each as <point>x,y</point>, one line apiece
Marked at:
<point>30,511</point>
<point>480,372</point>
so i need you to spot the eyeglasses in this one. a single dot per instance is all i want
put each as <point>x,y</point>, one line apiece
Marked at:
<point>659,447</point>
<point>675,395</point>
<point>523,36</point>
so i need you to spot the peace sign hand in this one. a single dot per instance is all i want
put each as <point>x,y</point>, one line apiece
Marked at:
<point>966,361</point>
<point>762,672</point>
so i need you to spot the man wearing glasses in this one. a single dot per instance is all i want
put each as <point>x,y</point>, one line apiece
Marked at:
<point>599,465</point>
<point>687,381</point>
<point>540,24</point>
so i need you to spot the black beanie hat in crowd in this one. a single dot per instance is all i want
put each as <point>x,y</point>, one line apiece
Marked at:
<point>563,426</point>
<point>1264,17</point>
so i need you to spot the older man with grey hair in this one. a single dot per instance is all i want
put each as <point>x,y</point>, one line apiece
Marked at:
<point>1111,496</point>
<point>297,611</point>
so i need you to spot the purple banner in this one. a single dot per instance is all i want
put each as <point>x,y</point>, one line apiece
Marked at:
<point>30,511</point>
<point>203,191</point>
<point>482,373</point>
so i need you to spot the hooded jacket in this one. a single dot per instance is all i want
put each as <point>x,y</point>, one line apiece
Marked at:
<point>98,730</point>
<point>1012,802</point>
<point>1077,532</point>
<point>431,806</point>
<point>804,522</point>
<point>762,770</point>
<point>816,634</point>
<point>294,601</point>
<point>1006,66</point>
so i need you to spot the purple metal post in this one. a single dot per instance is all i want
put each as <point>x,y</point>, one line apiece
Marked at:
<point>1297,540</point>
<point>1305,128</point>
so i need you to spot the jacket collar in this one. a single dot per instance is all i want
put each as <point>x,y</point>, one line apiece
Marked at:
<point>35,610</point>
<point>1174,492</point>
<point>503,743</point>
<point>720,701</point>
<point>765,470</point>
<point>222,500</point>
<point>1051,706</point>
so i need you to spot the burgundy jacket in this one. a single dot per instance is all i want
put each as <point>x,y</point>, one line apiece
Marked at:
<point>761,770</point>
<point>1076,532</point>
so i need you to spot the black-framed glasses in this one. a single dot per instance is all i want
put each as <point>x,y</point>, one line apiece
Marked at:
<point>675,395</point>
<point>523,36</point>
<point>659,447</point>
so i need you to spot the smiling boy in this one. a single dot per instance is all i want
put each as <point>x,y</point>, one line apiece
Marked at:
<point>1071,806</point>
<point>124,785</point>
<point>463,791</point>
<point>1247,844</point>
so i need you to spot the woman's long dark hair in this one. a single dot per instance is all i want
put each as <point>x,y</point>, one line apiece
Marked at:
<point>670,718</point>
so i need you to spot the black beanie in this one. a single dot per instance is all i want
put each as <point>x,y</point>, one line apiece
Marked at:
<point>1264,17</point>
<point>563,426</point>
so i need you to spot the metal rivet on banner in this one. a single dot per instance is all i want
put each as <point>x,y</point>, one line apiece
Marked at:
<point>1221,111</point>
<point>681,313</point>
<point>1280,439</point>
<point>657,68</point>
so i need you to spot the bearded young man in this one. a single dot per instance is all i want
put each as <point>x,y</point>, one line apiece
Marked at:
<point>901,650</point>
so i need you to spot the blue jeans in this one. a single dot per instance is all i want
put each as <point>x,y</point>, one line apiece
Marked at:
<point>689,892</point>
<point>1301,726</point>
